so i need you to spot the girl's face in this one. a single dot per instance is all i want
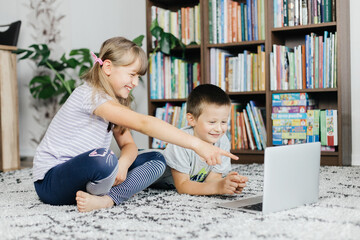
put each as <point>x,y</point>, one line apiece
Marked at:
<point>124,78</point>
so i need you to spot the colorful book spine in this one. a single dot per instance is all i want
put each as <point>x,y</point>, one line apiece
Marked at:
<point>290,96</point>
<point>291,132</point>
<point>289,122</point>
<point>313,125</point>
<point>260,128</point>
<point>289,109</point>
<point>253,127</point>
<point>248,130</point>
<point>331,127</point>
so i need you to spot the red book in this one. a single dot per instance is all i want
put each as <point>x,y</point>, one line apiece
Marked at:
<point>303,66</point>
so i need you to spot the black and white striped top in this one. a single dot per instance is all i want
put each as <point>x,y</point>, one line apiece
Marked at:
<point>74,130</point>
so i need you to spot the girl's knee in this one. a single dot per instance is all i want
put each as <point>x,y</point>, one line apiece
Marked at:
<point>159,157</point>
<point>103,158</point>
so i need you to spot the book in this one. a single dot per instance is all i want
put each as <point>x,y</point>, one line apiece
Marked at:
<point>159,113</point>
<point>243,129</point>
<point>288,116</point>
<point>253,127</point>
<point>331,127</point>
<point>248,130</point>
<point>323,137</point>
<point>260,127</point>
<point>290,96</point>
<point>289,109</point>
<point>313,124</point>
<point>289,122</point>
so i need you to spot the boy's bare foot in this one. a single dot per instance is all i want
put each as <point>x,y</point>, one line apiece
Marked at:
<point>87,202</point>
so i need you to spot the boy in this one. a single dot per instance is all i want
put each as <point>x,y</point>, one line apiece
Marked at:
<point>208,109</point>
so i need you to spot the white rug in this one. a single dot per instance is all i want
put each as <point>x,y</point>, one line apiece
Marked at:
<point>154,214</point>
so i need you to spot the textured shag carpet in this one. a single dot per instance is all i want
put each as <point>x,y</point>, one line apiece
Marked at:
<point>155,214</point>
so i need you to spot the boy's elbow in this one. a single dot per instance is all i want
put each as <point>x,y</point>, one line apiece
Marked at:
<point>181,191</point>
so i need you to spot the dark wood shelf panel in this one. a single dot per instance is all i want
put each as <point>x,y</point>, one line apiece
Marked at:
<point>310,27</point>
<point>247,151</point>
<point>167,100</point>
<point>308,90</point>
<point>236,44</point>
<point>168,4</point>
<point>247,93</point>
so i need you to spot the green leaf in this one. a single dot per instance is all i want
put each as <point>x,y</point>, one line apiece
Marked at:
<point>41,87</point>
<point>138,40</point>
<point>40,80</point>
<point>156,31</point>
<point>19,51</point>
<point>83,69</point>
<point>73,63</point>
<point>27,55</point>
<point>46,92</point>
<point>165,43</point>
<point>154,24</point>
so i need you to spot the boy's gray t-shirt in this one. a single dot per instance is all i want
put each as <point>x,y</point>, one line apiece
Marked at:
<point>187,161</point>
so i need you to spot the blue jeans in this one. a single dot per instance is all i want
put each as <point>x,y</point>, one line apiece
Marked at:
<point>94,172</point>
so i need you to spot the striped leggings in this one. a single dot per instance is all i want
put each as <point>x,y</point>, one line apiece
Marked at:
<point>95,172</point>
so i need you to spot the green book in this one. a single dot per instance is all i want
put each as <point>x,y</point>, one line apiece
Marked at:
<point>210,22</point>
<point>243,22</point>
<point>327,10</point>
<point>316,80</point>
<point>286,13</point>
<point>323,137</point>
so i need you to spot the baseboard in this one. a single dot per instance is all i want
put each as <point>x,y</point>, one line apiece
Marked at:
<point>355,160</point>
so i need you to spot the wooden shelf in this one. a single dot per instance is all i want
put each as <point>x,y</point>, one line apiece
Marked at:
<point>337,98</point>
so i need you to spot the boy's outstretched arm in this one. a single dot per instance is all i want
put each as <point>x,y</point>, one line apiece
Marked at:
<point>215,185</point>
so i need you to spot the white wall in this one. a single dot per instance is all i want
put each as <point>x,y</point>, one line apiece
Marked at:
<point>89,22</point>
<point>355,81</point>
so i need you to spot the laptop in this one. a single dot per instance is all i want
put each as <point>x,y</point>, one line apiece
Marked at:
<point>291,179</point>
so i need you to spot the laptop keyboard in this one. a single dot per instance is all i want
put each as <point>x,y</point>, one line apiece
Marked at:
<point>255,207</point>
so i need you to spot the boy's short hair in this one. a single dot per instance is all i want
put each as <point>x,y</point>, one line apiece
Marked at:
<point>205,94</point>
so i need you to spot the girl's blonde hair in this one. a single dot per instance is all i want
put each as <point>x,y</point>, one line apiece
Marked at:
<point>121,52</point>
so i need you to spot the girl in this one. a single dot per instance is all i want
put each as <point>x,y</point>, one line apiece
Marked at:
<point>73,163</point>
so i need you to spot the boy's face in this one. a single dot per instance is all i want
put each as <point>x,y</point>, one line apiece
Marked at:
<point>212,122</point>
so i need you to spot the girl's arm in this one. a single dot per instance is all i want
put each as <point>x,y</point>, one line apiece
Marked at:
<point>154,127</point>
<point>216,185</point>
<point>128,154</point>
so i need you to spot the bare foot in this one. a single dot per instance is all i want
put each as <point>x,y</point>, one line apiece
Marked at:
<point>87,202</point>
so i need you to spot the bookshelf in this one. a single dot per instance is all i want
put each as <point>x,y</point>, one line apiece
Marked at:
<point>334,98</point>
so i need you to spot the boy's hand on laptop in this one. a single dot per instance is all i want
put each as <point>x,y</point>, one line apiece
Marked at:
<point>241,184</point>
<point>230,183</point>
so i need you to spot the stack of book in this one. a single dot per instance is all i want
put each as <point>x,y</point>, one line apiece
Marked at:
<point>295,120</point>
<point>289,117</point>
<point>303,12</point>
<point>174,115</point>
<point>184,24</point>
<point>170,77</point>
<point>312,65</point>
<point>247,127</point>
<point>322,127</point>
<point>240,73</point>
<point>231,21</point>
